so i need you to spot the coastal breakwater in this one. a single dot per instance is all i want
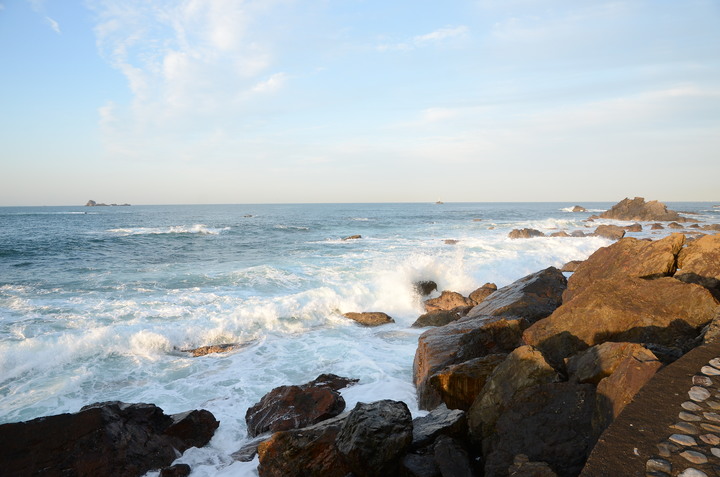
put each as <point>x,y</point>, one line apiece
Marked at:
<point>548,392</point>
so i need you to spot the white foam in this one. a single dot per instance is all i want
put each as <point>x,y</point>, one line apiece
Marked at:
<point>200,229</point>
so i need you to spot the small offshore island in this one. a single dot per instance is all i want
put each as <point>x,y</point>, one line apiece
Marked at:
<point>92,203</point>
<point>614,370</point>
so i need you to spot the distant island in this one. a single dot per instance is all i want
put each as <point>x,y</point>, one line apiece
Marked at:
<point>92,203</point>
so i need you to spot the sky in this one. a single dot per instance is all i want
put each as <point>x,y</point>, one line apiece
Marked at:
<point>284,101</point>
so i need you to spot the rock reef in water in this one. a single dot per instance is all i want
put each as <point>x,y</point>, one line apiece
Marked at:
<point>92,203</point>
<point>638,210</point>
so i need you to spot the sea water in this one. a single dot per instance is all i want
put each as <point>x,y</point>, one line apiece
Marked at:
<point>97,302</point>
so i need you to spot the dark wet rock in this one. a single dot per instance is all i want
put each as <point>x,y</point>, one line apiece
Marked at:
<point>177,470</point>
<point>612,232</point>
<point>525,233</point>
<point>666,354</point>
<point>353,237</point>
<point>532,297</point>
<point>307,451</point>
<point>370,318</point>
<point>628,257</point>
<point>548,423</point>
<point>524,367</point>
<point>440,421</point>
<point>447,300</point>
<point>425,287</point>
<point>479,295</point>
<point>579,208</point>
<point>110,438</point>
<point>436,318</point>
<point>571,266</point>
<point>452,458</point>
<point>293,407</point>
<point>375,437</point>
<point>699,263</point>
<point>638,210</point>
<point>333,381</point>
<point>459,384</point>
<point>456,343</point>
<point>522,467</point>
<point>419,465</point>
<point>248,451</point>
<point>205,350</point>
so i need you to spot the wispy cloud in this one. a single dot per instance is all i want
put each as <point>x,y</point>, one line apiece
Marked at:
<point>53,24</point>
<point>435,37</point>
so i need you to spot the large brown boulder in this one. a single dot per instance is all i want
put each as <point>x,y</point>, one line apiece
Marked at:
<point>459,384</point>
<point>292,407</point>
<point>628,257</point>
<point>638,210</point>
<point>111,438</point>
<point>699,263</point>
<point>447,300</point>
<point>548,423</point>
<point>665,311</point>
<point>525,233</point>
<point>523,368</point>
<point>600,361</point>
<point>370,318</point>
<point>456,343</point>
<point>479,295</point>
<point>532,297</point>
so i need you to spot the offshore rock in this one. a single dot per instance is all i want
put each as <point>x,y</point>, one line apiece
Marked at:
<point>638,210</point>
<point>699,263</point>
<point>634,228</point>
<point>374,438</point>
<point>205,350</point>
<point>111,438</point>
<point>525,233</point>
<point>579,208</point>
<point>549,423</point>
<point>370,318</point>
<point>532,297</point>
<point>459,384</point>
<point>665,311</point>
<point>456,343</point>
<point>447,300</point>
<point>425,287</point>
<point>293,407</point>
<point>352,237</point>
<point>612,232</point>
<point>628,257</point>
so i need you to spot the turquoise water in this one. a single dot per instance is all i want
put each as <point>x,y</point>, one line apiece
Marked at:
<point>96,301</point>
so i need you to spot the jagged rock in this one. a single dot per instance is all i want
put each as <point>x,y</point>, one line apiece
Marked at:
<point>699,263</point>
<point>425,287</point>
<point>612,232</point>
<point>600,361</point>
<point>524,367</point>
<point>440,421</point>
<point>479,295</point>
<point>333,381</point>
<point>370,318</point>
<point>579,208</point>
<point>522,467</point>
<point>664,311</point>
<point>634,228</point>
<point>447,300</point>
<point>532,297</point>
<point>436,318</point>
<point>110,438</point>
<point>293,407</point>
<point>639,210</point>
<point>307,451</point>
<point>452,458</point>
<point>571,266</point>
<point>375,437</point>
<point>549,423</point>
<point>458,342</point>
<point>459,384</point>
<point>204,350</point>
<point>628,257</point>
<point>525,233</point>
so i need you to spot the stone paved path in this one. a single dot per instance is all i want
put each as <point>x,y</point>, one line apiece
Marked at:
<point>672,427</point>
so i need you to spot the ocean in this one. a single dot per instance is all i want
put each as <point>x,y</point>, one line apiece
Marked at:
<point>97,302</point>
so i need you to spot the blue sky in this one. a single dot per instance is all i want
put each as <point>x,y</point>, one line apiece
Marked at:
<point>229,101</point>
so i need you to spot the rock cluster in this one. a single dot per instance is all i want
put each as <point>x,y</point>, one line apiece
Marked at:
<point>638,210</point>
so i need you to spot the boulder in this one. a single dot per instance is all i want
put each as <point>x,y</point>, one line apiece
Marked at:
<point>458,342</point>
<point>548,423</point>
<point>459,384</point>
<point>352,237</point>
<point>612,232</point>
<point>571,266</point>
<point>425,287</point>
<point>618,389</point>
<point>561,233</point>
<point>522,467</point>
<point>370,318</point>
<point>479,295</point>
<point>674,225</point>
<point>657,227</point>
<point>436,318</point>
<point>293,407</point>
<point>600,361</point>
<point>715,227</point>
<point>419,465</point>
<point>711,332</point>
<point>532,297</point>
<point>523,368</point>
<point>634,228</point>
<point>205,350</point>
<point>699,263</point>
<point>308,451</point>
<point>111,438</point>
<point>525,233</point>
<point>577,233</point>
<point>177,470</point>
<point>579,208</point>
<point>375,437</point>
<point>638,210</point>
<point>333,381</point>
<point>452,458</point>
<point>628,257</point>
<point>440,421</point>
<point>665,311</point>
<point>447,301</point>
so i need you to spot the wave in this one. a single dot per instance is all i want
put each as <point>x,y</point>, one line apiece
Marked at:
<point>570,209</point>
<point>199,229</point>
<point>291,227</point>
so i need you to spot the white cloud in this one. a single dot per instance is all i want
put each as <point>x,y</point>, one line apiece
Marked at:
<point>53,24</point>
<point>438,36</point>
<point>274,83</point>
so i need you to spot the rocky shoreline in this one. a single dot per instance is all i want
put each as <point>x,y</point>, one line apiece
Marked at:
<point>521,380</point>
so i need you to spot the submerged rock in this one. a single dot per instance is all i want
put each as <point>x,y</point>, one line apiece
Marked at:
<point>525,233</point>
